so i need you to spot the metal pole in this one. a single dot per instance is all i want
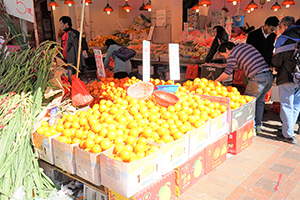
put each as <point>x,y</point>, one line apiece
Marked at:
<point>80,37</point>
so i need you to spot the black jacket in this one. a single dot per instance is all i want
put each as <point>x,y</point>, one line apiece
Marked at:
<point>265,46</point>
<point>283,61</point>
<point>214,48</point>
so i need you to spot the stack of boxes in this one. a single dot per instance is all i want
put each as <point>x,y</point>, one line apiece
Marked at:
<point>217,18</point>
<point>171,170</point>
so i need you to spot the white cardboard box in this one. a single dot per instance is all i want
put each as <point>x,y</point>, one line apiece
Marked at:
<point>64,156</point>
<point>129,178</point>
<point>88,165</point>
<point>92,194</point>
<point>198,139</point>
<point>44,146</point>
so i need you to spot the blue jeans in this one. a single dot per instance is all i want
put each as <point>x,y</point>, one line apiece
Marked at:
<point>289,95</point>
<point>258,87</point>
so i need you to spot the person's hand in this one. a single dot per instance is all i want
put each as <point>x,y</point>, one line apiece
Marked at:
<point>84,54</point>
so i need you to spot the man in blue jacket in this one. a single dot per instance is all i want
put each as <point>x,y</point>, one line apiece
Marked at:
<point>289,91</point>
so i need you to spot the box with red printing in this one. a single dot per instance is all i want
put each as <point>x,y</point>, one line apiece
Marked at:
<point>189,173</point>
<point>164,188</point>
<point>215,154</point>
<point>241,138</point>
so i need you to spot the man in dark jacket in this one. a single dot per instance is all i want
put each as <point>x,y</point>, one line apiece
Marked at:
<point>263,38</point>
<point>289,91</point>
<point>70,44</point>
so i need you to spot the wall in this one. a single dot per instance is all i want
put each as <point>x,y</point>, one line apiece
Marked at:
<point>99,22</point>
<point>258,16</point>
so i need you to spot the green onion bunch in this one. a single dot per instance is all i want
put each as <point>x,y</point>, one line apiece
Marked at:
<point>19,165</point>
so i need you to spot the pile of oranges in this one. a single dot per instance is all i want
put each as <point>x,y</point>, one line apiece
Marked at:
<point>215,88</point>
<point>111,88</point>
<point>47,130</point>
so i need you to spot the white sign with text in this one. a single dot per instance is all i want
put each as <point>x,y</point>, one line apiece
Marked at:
<point>174,62</point>
<point>161,18</point>
<point>99,63</point>
<point>20,8</point>
<point>146,60</point>
<point>150,33</point>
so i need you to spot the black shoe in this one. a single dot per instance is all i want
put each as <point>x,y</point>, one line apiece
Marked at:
<point>288,140</point>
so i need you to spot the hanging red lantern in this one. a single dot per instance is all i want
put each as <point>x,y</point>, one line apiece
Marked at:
<point>53,4</point>
<point>276,6</point>
<point>204,3</point>
<point>69,2</point>
<point>288,3</point>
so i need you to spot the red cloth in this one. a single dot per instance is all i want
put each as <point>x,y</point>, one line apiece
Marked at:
<point>64,40</point>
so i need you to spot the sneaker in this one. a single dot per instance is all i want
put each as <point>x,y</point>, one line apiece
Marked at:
<point>291,140</point>
<point>258,130</point>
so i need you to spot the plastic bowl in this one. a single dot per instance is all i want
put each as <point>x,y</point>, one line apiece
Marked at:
<point>168,88</point>
<point>141,90</point>
<point>165,98</point>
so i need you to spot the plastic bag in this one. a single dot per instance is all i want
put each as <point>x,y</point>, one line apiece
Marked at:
<point>238,77</point>
<point>192,71</point>
<point>80,95</point>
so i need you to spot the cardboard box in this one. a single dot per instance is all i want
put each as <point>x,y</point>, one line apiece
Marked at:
<point>140,70</point>
<point>129,178</point>
<point>44,146</point>
<point>241,138</point>
<point>64,156</point>
<point>164,188</point>
<point>198,139</point>
<point>189,173</point>
<point>241,115</point>
<point>92,194</point>
<point>218,128</point>
<point>88,165</point>
<point>215,154</point>
<point>216,125</point>
<point>174,153</point>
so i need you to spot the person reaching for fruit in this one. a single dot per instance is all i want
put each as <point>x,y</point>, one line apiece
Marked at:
<point>122,68</point>
<point>257,71</point>
<point>221,36</point>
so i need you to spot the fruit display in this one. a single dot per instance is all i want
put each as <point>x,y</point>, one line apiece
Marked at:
<point>99,41</point>
<point>213,88</point>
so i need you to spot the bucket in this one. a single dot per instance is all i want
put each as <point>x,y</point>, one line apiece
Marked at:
<point>238,20</point>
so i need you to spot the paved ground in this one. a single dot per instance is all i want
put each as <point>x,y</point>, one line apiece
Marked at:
<point>254,173</point>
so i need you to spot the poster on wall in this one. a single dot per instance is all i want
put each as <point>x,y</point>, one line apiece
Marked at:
<point>20,8</point>
<point>161,18</point>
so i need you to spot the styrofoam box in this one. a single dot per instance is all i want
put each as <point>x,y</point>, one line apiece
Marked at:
<point>64,156</point>
<point>44,146</point>
<point>198,140</point>
<point>129,178</point>
<point>88,165</point>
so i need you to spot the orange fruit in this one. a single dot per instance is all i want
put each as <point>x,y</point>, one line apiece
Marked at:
<point>98,139</point>
<point>125,155</point>
<point>111,135</point>
<point>89,143</point>
<point>118,148</point>
<point>130,140</point>
<point>105,144</point>
<point>96,148</point>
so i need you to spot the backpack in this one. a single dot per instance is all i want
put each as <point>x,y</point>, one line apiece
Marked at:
<point>296,59</point>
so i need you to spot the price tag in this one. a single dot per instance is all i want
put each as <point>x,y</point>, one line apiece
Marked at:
<point>174,62</point>
<point>185,28</point>
<point>150,33</point>
<point>20,8</point>
<point>120,28</point>
<point>99,63</point>
<point>146,60</point>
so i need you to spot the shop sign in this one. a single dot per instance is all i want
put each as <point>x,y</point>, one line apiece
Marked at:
<point>120,28</point>
<point>99,63</point>
<point>146,60</point>
<point>150,33</point>
<point>161,18</point>
<point>174,62</point>
<point>20,8</point>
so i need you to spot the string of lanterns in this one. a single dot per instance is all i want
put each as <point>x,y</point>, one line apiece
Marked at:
<point>249,8</point>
